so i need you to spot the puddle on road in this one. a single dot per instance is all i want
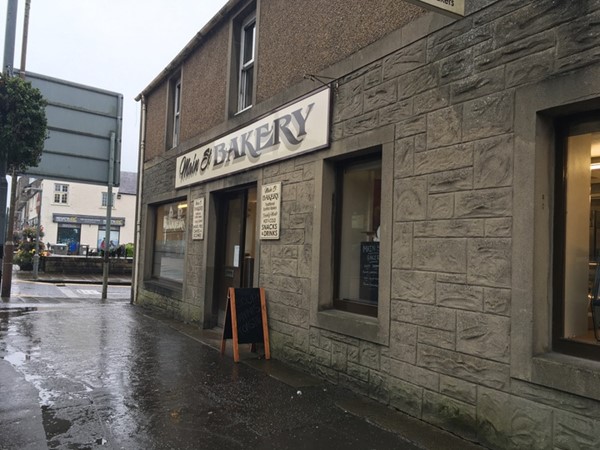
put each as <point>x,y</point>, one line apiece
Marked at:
<point>53,426</point>
<point>72,428</point>
<point>17,358</point>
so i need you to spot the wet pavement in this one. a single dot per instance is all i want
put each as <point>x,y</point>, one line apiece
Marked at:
<point>77,372</point>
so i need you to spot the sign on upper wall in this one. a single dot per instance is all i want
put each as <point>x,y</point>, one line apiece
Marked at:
<point>300,127</point>
<point>80,122</point>
<point>456,7</point>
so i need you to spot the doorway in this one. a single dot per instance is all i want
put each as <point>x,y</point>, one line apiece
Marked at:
<point>236,246</point>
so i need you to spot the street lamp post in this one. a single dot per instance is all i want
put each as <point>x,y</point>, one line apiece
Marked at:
<point>36,255</point>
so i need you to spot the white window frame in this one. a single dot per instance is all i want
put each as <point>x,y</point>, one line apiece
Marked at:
<point>61,193</point>
<point>105,200</point>
<point>176,111</point>
<point>247,67</point>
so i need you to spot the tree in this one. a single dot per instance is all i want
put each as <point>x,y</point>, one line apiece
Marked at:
<point>22,134</point>
<point>22,123</point>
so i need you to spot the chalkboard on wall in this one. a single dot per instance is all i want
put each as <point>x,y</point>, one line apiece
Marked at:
<point>246,320</point>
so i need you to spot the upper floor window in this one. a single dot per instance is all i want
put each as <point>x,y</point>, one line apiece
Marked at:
<point>61,193</point>
<point>576,277</point>
<point>105,200</point>
<point>247,51</point>
<point>174,108</point>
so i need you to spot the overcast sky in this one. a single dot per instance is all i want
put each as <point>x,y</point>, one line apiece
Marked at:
<point>116,45</point>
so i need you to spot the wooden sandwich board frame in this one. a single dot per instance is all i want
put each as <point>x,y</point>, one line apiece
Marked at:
<point>235,325</point>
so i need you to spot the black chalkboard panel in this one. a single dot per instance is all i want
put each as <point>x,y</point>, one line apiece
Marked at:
<point>246,319</point>
<point>248,315</point>
<point>369,271</point>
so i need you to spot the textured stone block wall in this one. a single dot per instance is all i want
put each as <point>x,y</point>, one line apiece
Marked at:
<point>450,97</point>
<point>285,265</point>
<point>158,187</point>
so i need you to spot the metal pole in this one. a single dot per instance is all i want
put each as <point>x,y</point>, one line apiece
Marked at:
<point>109,203</point>
<point>9,245</point>
<point>25,38</point>
<point>138,204</point>
<point>36,255</point>
<point>7,261</point>
<point>9,37</point>
<point>7,68</point>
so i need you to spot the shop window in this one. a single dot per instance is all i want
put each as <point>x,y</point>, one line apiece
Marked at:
<point>576,325</point>
<point>113,241</point>
<point>69,236</point>
<point>61,193</point>
<point>169,242</point>
<point>357,235</point>
<point>174,111</point>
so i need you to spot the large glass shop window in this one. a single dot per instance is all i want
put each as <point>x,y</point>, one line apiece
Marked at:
<point>358,211</point>
<point>577,302</point>
<point>169,241</point>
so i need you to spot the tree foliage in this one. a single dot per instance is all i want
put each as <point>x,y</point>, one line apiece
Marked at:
<point>22,123</point>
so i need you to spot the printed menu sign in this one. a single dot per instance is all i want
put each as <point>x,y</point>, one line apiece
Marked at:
<point>198,219</point>
<point>369,271</point>
<point>270,211</point>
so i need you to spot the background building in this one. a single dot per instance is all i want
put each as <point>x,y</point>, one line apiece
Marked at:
<point>74,214</point>
<point>432,243</point>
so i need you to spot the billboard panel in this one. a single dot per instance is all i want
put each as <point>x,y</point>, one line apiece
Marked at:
<point>80,121</point>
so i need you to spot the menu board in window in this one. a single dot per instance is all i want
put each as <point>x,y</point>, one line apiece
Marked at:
<point>369,271</point>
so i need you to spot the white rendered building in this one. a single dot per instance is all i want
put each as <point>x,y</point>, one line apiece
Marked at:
<point>74,214</point>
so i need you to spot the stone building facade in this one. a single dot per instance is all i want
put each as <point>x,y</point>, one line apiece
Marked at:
<point>458,149</point>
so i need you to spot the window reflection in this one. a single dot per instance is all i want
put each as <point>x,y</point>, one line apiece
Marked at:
<point>169,242</point>
<point>581,236</point>
<point>359,191</point>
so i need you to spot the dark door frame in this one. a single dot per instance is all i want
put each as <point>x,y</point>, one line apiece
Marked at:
<point>222,203</point>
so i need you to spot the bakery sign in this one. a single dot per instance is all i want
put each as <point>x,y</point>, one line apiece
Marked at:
<point>300,127</point>
<point>454,7</point>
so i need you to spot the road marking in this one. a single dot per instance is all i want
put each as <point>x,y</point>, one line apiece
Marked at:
<point>68,292</point>
<point>88,292</point>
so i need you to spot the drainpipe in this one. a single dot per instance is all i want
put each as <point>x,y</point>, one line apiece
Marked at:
<point>138,203</point>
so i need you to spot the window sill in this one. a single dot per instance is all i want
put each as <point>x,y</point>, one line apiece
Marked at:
<point>167,288</point>
<point>567,373</point>
<point>351,324</point>
<point>241,111</point>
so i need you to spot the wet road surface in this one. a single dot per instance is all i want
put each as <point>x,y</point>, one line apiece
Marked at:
<point>77,372</point>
